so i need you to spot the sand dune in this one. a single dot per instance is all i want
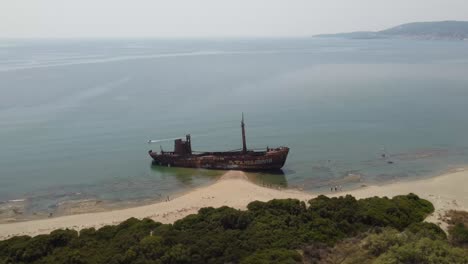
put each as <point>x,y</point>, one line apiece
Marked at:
<point>449,191</point>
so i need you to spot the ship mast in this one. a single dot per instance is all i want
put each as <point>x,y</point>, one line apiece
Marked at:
<point>244,145</point>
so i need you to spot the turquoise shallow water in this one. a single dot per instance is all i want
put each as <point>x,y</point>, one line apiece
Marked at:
<point>76,115</point>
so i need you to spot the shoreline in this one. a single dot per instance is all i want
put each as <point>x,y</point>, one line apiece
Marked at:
<point>233,189</point>
<point>17,210</point>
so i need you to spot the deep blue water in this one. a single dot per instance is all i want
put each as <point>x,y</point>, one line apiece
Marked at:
<point>76,115</point>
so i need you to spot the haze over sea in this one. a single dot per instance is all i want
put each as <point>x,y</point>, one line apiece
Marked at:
<point>76,115</point>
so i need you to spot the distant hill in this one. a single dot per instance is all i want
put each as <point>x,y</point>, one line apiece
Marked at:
<point>448,30</point>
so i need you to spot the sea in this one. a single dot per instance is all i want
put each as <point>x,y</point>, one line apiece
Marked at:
<point>76,115</point>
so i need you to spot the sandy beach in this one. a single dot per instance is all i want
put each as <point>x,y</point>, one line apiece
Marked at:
<point>446,192</point>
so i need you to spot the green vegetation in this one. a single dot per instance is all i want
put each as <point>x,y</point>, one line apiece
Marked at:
<point>279,231</point>
<point>458,229</point>
<point>424,244</point>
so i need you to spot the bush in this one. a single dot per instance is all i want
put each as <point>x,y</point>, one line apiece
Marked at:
<point>459,234</point>
<point>398,212</point>
<point>429,230</point>
<point>267,232</point>
<point>280,256</point>
<point>424,250</point>
<point>379,243</point>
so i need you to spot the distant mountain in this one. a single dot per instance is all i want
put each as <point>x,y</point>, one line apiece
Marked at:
<point>354,35</point>
<point>448,30</point>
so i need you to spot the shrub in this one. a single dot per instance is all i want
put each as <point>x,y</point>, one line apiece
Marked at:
<point>280,256</point>
<point>429,230</point>
<point>424,250</point>
<point>267,232</point>
<point>459,234</point>
<point>379,243</point>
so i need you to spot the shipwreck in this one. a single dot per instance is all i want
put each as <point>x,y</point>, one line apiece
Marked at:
<point>240,159</point>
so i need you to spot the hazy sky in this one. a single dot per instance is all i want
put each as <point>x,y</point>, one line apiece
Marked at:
<point>214,18</point>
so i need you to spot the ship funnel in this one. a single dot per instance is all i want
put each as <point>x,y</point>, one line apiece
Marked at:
<point>244,144</point>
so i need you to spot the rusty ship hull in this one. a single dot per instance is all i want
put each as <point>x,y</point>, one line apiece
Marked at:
<point>271,159</point>
<point>244,159</point>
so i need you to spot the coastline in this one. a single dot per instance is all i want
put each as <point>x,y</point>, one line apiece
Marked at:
<point>446,192</point>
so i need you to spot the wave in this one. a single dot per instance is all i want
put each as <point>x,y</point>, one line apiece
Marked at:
<point>140,57</point>
<point>17,200</point>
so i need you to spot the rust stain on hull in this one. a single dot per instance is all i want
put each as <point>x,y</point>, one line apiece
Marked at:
<point>272,159</point>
